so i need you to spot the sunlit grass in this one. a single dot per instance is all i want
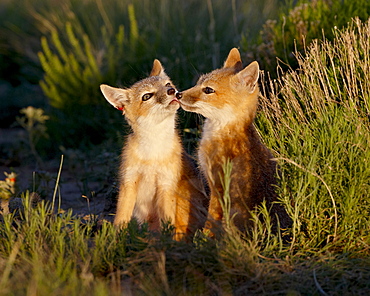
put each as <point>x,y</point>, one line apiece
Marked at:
<point>316,120</point>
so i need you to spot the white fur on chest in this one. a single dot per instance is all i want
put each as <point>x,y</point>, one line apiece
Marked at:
<point>214,133</point>
<point>156,140</point>
<point>153,164</point>
<point>153,181</point>
<point>217,118</point>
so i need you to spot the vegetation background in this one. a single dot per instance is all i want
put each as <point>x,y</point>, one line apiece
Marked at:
<point>314,114</point>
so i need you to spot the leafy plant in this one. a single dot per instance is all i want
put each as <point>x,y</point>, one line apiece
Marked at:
<point>34,123</point>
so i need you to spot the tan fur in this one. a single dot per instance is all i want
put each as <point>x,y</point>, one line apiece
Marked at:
<point>229,134</point>
<point>157,180</point>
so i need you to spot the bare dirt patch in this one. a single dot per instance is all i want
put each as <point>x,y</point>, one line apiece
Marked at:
<point>84,193</point>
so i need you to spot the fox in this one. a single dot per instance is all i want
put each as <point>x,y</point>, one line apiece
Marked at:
<point>228,99</point>
<point>158,181</point>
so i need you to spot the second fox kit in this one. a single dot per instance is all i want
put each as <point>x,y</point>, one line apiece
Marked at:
<point>157,179</point>
<point>228,98</point>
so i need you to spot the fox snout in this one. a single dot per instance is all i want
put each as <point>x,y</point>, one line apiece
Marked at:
<point>171,91</point>
<point>178,95</point>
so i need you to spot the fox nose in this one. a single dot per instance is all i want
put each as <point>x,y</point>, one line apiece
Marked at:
<point>178,95</point>
<point>171,91</point>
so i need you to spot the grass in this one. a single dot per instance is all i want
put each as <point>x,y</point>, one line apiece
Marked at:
<point>43,254</point>
<point>316,120</point>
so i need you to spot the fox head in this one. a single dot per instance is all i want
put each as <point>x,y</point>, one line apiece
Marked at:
<point>152,98</point>
<point>225,94</point>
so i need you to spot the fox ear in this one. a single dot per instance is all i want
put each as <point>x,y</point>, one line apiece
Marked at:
<point>233,60</point>
<point>249,76</point>
<point>117,97</point>
<point>157,69</point>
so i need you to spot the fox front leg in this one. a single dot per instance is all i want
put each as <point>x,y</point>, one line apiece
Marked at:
<point>166,205</point>
<point>125,205</point>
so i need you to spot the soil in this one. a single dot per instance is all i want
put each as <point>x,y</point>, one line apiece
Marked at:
<point>94,199</point>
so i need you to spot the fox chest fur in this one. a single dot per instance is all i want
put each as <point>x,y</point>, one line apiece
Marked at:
<point>253,168</point>
<point>153,162</point>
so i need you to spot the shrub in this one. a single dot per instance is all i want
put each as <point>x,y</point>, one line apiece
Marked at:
<point>71,82</point>
<point>296,28</point>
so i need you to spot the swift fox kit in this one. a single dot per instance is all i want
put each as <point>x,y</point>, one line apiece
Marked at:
<point>228,98</point>
<point>157,179</point>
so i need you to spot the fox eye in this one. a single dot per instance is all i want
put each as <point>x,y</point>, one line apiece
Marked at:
<point>208,90</point>
<point>168,84</point>
<point>146,96</point>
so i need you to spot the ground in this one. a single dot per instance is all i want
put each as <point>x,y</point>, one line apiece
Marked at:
<point>84,196</point>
